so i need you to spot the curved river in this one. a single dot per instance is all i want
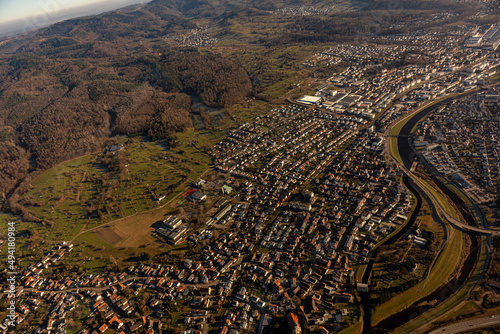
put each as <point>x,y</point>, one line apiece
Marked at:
<point>447,289</point>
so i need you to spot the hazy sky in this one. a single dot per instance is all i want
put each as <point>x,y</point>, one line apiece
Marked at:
<point>21,16</point>
<point>37,10</point>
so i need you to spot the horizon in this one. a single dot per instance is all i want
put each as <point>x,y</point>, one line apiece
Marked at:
<point>43,17</point>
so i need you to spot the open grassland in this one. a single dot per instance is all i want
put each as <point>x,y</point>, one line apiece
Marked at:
<point>29,238</point>
<point>137,243</point>
<point>107,235</point>
<point>474,209</point>
<point>360,270</point>
<point>396,129</point>
<point>64,193</point>
<point>95,254</point>
<point>393,142</point>
<point>136,231</point>
<point>427,223</point>
<point>441,199</point>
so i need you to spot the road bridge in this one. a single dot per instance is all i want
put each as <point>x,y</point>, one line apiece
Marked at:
<point>441,211</point>
<point>468,326</point>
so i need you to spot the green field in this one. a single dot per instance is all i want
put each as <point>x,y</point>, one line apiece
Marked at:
<point>357,328</point>
<point>29,238</point>
<point>64,193</point>
<point>393,140</point>
<point>441,199</point>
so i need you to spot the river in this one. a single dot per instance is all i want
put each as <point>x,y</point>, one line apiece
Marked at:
<point>447,289</point>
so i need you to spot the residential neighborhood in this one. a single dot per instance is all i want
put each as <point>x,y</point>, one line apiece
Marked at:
<point>296,200</point>
<point>461,142</point>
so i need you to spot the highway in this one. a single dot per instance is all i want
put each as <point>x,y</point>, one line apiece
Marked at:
<point>404,166</point>
<point>470,325</point>
<point>440,210</point>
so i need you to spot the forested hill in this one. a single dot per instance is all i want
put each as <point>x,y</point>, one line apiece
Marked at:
<point>66,88</point>
<point>78,82</point>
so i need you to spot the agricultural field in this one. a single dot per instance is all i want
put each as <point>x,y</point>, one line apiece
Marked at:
<point>28,238</point>
<point>85,193</point>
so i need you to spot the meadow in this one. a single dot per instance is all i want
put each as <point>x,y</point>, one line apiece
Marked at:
<point>126,204</point>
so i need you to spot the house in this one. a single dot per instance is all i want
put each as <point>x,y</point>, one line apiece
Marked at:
<point>293,322</point>
<point>136,326</point>
<point>362,287</point>
<point>177,236</point>
<point>198,196</point>
<point>116,148</point>
<point>199,183</point>
<point>226,189</point>
<point>103,328</point>
<point>116,322</point>
<point>171,223</point>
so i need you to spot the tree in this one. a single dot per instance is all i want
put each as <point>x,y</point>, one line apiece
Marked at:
<point>145,256</point>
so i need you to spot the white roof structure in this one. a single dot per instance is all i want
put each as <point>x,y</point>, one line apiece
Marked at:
<point>307,99</point>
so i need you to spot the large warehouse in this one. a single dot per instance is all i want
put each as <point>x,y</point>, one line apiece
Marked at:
<point>312,100</point>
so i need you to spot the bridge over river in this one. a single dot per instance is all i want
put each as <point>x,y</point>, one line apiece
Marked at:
<point>448,288</point>
<point>408,156</point>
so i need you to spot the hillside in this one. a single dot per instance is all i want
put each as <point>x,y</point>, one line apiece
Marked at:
<point>70,87</point>
<point>67,88</point>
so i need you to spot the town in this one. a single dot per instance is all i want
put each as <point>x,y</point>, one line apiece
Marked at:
<point>460,141</point>
<point>301,196</point>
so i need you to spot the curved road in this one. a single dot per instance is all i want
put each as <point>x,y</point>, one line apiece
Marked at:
<point>470,325</point>
<point>405,165</point>
<point>440,210</point>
